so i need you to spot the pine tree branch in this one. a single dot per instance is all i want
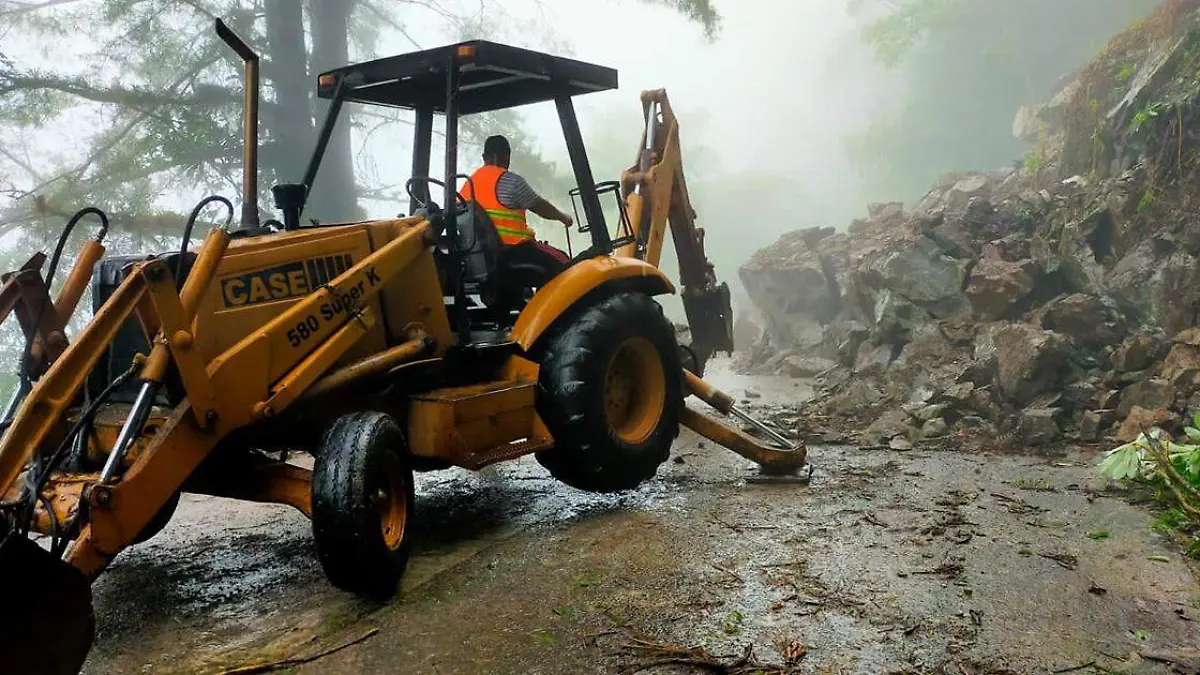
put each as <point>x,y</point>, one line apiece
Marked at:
<point>26,211</point>
<point>390,22</point>
<point>136,98</point>
<point>22,163</point>
<point>28,7</point>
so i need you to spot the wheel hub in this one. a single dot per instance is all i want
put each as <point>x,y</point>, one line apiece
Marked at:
<point>634,390</point>
<point>391,502</point>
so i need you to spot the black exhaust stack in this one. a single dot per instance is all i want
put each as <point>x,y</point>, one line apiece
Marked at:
<point>250,125</point>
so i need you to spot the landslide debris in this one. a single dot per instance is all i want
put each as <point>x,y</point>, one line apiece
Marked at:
<point>1054,300</point>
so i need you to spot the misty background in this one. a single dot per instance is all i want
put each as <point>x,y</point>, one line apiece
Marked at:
<point>792,114</point>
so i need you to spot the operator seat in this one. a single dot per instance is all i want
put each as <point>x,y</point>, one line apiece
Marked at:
<point>503,277</point>
<point>480,244</point>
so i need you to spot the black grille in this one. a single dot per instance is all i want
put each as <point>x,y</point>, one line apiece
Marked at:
<point>130,339</point>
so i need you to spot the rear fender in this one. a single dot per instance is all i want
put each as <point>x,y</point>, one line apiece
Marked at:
<point>565,291</point>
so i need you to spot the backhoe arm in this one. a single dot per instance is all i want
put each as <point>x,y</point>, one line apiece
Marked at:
<point>655,194</point>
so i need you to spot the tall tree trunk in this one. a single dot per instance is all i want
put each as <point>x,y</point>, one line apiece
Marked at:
<point>290,124</point>
<point>334,193</point>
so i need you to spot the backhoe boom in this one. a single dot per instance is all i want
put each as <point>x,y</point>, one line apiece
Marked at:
<point>655,193</point>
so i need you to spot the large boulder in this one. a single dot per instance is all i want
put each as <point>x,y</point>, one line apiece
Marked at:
<point>807,366</point>
<point>919,272</point>
<point>929,361</point>
<point>1137,353</point>
<point>1089,320</point>
<point>1181,368</point>
<point>1078,251</point>
<point>872,358</point>
<point>1094,424</point>
<point>1158,285</point>
<point>971,187</point>
<point>950,234</point>
<point>1150,394</point>
<point>1179,295</point>
<point>891,424</point>
<point>1143,419</point>
<point>894,318</point>
<point>789,284</point>
<point>1134,283</point>
<point>997,286</point>
<point>1028,361</point>
<point>1039,426</point>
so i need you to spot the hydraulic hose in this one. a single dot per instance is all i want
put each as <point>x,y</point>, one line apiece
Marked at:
<point>24,383</point>
<point>187,232</point>
<point>62,238</point>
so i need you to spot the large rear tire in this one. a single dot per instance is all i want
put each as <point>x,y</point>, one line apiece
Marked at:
<point>610,389</point>
<point>362,504</point>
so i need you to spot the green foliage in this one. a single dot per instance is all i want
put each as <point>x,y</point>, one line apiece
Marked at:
<point>966,67</point>
<point>733,623</point>
<point>1147,113</point>
<point>1127,70</point>
<point>1034,161</point>
<point>1147,200</point>
<point>1157,460</point>
<point>1132,461</point>
<point>701,11</point>
<point>895,35</point>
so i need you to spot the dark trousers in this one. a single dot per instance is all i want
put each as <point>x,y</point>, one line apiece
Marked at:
<point>528,265</point>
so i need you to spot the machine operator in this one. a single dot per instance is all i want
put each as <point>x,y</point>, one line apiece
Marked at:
<point>506,197</point>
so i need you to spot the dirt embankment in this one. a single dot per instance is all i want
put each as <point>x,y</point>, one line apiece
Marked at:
<point>1055,300</point>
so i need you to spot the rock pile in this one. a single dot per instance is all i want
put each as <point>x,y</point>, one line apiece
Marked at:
<point>992,305</point>
<point>1034,304</point>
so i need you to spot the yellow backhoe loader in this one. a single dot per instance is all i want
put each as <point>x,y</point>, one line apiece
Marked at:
<point>379,347</point>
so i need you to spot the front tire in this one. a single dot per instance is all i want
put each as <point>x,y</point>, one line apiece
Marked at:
<point>610,389</point>
<point>362,503</point>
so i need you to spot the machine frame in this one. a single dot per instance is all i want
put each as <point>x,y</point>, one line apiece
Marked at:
<point>406,373</point>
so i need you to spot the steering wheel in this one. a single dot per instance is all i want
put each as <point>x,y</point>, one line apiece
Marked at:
<point>460,202</point>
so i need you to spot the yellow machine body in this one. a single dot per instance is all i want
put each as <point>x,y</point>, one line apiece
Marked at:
<point>280,341</point>
<point>259,277</point>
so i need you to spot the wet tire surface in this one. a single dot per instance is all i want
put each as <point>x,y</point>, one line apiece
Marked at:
<point>572,398</point>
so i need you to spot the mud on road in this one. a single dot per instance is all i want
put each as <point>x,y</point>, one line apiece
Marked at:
<point>888,562</point>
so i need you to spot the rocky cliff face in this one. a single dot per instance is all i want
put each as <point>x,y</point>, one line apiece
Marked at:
<point>1055,300</point>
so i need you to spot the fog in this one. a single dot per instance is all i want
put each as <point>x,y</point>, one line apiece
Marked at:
<point>766,107</point>
<point>770,98</point>
<point>762,98</point>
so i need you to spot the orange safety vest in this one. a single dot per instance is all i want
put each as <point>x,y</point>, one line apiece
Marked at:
<point>510,223</point>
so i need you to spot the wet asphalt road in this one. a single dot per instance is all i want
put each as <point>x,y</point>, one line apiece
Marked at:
<point>921,562</point>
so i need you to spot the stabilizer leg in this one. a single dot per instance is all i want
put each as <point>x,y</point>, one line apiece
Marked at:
<point>779,457</point>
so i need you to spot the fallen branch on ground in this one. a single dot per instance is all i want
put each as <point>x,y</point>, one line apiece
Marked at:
<point>658,655</point>
<point>1072,669</point>
<point>292,663</point>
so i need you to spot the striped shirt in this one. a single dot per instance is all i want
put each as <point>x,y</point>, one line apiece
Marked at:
<point>514,192</point>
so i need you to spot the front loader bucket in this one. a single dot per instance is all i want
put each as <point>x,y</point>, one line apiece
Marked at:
<point>47,625</point>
